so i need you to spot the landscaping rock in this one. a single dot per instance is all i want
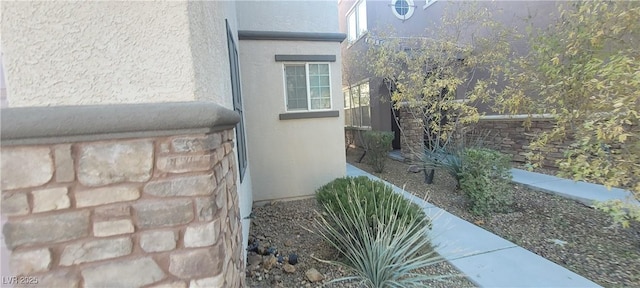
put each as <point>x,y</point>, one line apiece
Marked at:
<point>292,259</point>
<point>313,275</point>
<point>269,262</point>
<point>289,268</point>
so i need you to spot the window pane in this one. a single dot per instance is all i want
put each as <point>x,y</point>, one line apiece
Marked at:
<point>347,100</point>
<point>347,117</point>
<point>315,93</point>
<point>326,103</point>
<point>351,19</point>
<point>362,18</point>
<point>296,87</point>
<point>325,92</point>
<point>365,98</point>
<point>355,101</point>
<point>324,81</point>
<point>320,103</point>
<point>323,69</point>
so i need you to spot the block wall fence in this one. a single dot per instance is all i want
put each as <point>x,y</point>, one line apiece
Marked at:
<point>122,196</point>
<point>508,135</point>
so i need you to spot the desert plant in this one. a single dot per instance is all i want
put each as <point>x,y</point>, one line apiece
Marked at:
<point>375,196</point>
<point>378,144</point>
<point>385,254</point>
<point>583,69</point>
<point>485,179</point>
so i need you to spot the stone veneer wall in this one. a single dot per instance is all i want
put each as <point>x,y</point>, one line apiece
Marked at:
<point>412,132</point>
<point>509,136</point>
<point>129,212</point>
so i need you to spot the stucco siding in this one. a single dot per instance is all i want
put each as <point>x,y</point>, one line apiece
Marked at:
<point>209,48</point>
<point>212,74</point>
<point>290,158</point>
<point>70,53</point>
<point>290,16</point>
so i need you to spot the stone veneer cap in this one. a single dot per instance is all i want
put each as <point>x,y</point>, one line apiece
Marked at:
<point>58,124</point>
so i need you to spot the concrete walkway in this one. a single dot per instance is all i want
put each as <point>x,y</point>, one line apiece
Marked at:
<point>485,258</point>
<point>583,192</point>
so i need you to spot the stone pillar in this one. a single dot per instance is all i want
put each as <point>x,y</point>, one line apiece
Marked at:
<point>411,122</point>
<point>128,212</point>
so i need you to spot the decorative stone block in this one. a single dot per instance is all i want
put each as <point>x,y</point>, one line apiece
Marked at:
<point>65,171</point>
<point>50,199</point>
<point>196,263</point>
<point>110,228</point>
<point>175,284</point>
<point>15,204</point>
<point>196,143</point>
<point>115,162</point>
<point>228,147</point>
<point>201,235</point>
<point>25,167</point>
<point>96,250</point>
<point>111,211</point>
<point>221,196</point>
<point>106,195</point>
<point>217,281</point>
<point>206,208</point>
<point>167,213</point>
<point>182,186</point>
<point>158,241</point>
<point>47,229</point>
<point>28,262</point>
<point>129,273</point>
<point>225,165</point>
<point>60,278</point>
<point>184,163</point>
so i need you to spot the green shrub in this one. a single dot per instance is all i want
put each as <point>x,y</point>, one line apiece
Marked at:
<point>486,178</point>
<point>378,144</point>
<point>375,196</point>
<point>385,253</point>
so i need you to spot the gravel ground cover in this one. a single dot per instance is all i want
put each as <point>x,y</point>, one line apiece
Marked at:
<point>566,232</point>
<point>280,225</point>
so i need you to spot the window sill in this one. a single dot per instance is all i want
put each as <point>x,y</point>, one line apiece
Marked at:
<point>310,114</point>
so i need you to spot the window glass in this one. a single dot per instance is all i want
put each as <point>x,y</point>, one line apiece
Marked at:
<point>307,86</point>
<point>402,7</point>
<point>351,19</point>
<point>362,17</point>
<point>296,87</point>
<point>319,86</point>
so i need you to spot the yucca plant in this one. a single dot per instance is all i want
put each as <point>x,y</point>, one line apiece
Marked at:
<point>385,254</point>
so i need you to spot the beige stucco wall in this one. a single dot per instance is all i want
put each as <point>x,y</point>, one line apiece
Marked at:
<point>296,15</point>
<point>290,158</point>
<point>69,53</point>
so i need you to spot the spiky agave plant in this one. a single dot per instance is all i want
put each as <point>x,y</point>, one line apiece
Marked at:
<point>385,254</point>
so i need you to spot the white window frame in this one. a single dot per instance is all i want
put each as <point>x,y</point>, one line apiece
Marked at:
<point>412,8</point>
<point>355,10</point>
<point>306,70</point>
<point>429,3</point>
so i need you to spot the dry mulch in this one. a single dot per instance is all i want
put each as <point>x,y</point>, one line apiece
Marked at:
<point>595,247</point>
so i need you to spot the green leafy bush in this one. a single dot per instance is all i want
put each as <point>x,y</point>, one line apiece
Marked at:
<point>382,253</point>
<point>378,144</point>
<point>485,178</point>
<point>375,195</point>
